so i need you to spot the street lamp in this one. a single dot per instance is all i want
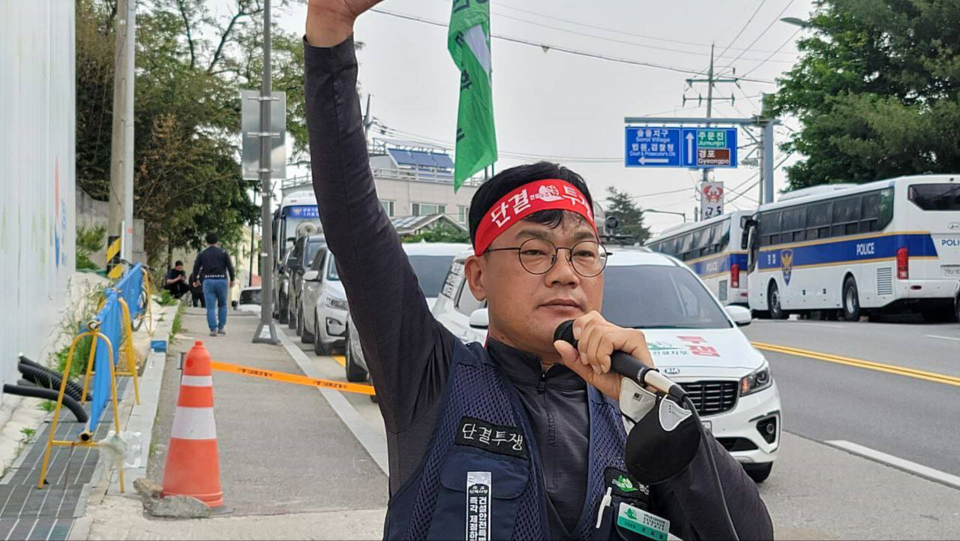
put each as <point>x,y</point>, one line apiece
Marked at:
<point>795,21</point>
<point>681,214</point>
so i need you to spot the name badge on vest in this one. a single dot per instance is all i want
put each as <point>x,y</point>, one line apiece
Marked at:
<point>503,440</point>
<point>479,485</point>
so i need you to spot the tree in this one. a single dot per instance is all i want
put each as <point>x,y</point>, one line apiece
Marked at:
<point>621,205</point>
<point>876,91</point>
<point>444,233</point>
<point>191,66</point>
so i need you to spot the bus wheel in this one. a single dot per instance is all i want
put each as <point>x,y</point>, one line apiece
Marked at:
<point>851,300</point>
<point>773,301</point>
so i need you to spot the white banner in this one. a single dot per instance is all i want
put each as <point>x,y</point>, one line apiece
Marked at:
<point>711,199</point>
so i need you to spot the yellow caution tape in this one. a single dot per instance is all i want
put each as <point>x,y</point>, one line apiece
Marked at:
<point>294,378</point>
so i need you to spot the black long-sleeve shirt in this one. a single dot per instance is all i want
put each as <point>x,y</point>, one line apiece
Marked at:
<point>213,263</point>
<point>409,353</point>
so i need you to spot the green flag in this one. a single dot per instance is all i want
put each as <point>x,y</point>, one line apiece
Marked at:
<point>469,44</point>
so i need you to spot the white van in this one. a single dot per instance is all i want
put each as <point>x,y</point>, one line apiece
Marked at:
<point>692,338</point>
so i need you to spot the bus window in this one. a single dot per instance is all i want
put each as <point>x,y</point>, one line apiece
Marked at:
<point>886,208</point>
<point>846,216</point>
<point>818,221</point>
<point>935,196</point>
<point>770,229</point>
<point>869,212</point>
<point>794,222</point>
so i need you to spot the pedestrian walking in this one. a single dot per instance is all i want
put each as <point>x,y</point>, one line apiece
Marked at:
<point>212,268</point>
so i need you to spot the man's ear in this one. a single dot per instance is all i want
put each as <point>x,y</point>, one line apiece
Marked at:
<point>474,269</point>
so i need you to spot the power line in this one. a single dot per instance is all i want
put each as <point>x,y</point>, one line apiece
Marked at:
<point>765,30</point>
<point>740,33</point>
<point>615,31</point>
<point>789,40</point>
<point>547,47</point>
<point>620,41</point>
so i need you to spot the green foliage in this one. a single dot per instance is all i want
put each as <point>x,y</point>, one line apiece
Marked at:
<point>192,61</point>
<point>47,406</point>
<point>28,433</point>
<point>177,325</point>
<point>875,91</point>
<point>75,317</point>
<point>166,299</point>
<point>89,241</point>
<point>439,234</point>
<point>621,205</point>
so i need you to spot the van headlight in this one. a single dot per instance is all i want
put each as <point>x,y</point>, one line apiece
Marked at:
<point>756,381</point>
<point>335,303</point>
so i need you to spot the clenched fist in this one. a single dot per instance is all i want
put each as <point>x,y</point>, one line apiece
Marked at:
<point>330,22</point>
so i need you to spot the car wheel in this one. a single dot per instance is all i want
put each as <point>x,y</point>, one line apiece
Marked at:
<point>300,322</point>
<point>355,372</point>
<point>758,472</point>
<point>851,300</point>
<point>957,309</point>
<point>307,337</point>
<point>773,300</point>
<point>291,317</point>
<point>284,316</point>
<point>318,347</point>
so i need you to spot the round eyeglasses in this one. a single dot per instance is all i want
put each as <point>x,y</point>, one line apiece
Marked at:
<point>538,256</point>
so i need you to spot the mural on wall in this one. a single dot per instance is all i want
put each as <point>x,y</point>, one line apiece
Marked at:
<point>59,218</point>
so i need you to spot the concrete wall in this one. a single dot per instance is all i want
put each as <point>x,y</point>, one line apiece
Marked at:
<point>92,213</point>
<point>37,173</point>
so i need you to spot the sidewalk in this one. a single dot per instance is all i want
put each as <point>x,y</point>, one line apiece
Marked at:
<point>290,468</point>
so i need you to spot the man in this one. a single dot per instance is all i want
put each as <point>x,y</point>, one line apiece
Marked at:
<point>531,422</point>
<point>176,281</point>
<point>212,267</point>
<point>196,292</point>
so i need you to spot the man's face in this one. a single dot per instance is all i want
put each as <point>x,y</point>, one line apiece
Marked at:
<point>526,308</point>
<point>179,267</point>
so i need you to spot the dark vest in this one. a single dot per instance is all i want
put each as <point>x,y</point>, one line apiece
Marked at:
<point>482,433</point>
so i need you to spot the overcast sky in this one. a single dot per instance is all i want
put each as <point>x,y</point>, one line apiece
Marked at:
<point>570,108</point>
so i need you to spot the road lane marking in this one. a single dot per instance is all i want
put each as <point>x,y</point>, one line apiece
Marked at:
<point>943,337</point>
<point>341,360</point>
<point>898,463</point>
<point>860,363</point>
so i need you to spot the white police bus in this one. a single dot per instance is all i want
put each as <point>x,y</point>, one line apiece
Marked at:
<point>706,247</point>
<point>886,246</point>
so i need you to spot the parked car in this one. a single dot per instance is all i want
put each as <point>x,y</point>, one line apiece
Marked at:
<point>324,307</point>
<point>310,292</point>
<point>282,292</point>
<point>304,250</point>
<point>431,263</point>
<point>249,300</point>
<point>692,338</point>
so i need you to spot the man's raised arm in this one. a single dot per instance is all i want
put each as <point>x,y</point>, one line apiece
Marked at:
<point>402,342</point>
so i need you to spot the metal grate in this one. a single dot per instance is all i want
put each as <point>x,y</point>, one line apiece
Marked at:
<point>712,397</point>
<point>885,281</point>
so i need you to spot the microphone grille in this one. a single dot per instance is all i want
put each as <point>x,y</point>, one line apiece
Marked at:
<point>565,332</point>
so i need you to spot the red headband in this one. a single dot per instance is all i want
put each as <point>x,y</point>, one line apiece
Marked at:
<point>549,194</point>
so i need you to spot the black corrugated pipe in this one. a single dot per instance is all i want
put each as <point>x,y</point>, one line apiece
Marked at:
<point>77,389</point>
<point>49,394</point>
<point>47,380</point>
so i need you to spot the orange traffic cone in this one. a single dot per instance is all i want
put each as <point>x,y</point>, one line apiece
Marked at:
<point>193,464</point>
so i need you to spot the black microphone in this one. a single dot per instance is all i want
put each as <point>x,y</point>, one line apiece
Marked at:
<point>627,366</point>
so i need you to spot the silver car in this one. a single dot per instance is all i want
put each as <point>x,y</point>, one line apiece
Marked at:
<point>431,263</point>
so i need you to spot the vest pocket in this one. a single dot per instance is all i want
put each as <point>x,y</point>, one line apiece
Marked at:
<point>478,495</point>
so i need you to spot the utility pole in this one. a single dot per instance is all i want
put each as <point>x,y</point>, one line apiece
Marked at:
<point>120,202</point>
<point>266,193</point>
<point>709,102</point>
